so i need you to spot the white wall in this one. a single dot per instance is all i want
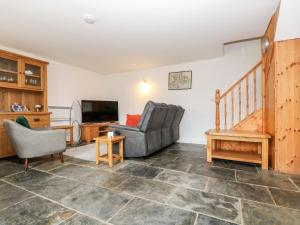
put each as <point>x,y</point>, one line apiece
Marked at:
<point>68,83</point>
<point>288,25</point>
<point>198,102</point>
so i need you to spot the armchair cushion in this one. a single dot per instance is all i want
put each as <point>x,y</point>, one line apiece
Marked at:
<point>23,122</point>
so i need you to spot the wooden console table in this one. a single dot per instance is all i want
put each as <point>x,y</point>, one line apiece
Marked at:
<point>89,131</point>
<point>260,157</point>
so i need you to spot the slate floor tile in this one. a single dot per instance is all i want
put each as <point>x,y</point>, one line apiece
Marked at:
<point>46,164</point>
<point>140,170</point>
<point>10,195</point>
<point>35,211</point>
<point>296,181</point>
<point>240,190</point>
<point>178,165</point>
<point>262,214</point>
<point>78,161</point>
<point>163,155</point>
<point>2,183</point>
<point>82,220</point>
<point>183,179</point>
<point>8,168</point>
<point>207,220</point>
<point>146,188</point>
<point>144,212</point>
<point>58,187</point>
<point>117,165</point>
<point>73,171</point>
<point>104,178</point>
<point>96,202</point>
<point>187,154</point>
<point>285,198</point>
<point>215,205</point>
<point>235,165</point>
<point>142,160</point>
<point>266,179</point>
<point>32,180</point>
<point>203,168</point>
<point>187,147</point>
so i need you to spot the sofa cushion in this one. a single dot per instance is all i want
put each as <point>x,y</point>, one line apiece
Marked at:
<point>23,122</point>
<point>145,111</point>
<point>132,120</point>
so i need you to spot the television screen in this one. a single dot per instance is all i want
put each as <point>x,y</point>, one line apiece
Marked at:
<point>99,111</point>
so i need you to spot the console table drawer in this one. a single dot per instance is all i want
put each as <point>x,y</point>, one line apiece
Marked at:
<point>34,120</point>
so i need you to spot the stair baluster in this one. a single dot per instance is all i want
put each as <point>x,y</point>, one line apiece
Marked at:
<point>242,106</point>
<point>217,99</point>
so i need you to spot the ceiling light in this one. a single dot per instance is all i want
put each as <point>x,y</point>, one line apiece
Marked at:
<point>89,18</point>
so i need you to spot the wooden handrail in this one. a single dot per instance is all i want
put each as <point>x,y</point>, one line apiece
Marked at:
<point>240,80</point>
<point>237,87</point>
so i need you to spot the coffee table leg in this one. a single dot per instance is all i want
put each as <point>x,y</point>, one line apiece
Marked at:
<point>97,152</point>
<point>121,150</point>
<point>110,154</point>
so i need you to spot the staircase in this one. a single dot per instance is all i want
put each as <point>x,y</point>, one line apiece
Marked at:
<point>239,133</point>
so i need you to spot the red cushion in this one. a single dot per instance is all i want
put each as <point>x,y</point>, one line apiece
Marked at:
<point>132,120</point>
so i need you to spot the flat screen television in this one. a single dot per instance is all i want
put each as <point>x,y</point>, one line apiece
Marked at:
<point>99,111</point>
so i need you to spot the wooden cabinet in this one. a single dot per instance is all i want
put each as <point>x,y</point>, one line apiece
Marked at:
<point>23,80</point>
<point>21,72</point>
<point>89,131</point>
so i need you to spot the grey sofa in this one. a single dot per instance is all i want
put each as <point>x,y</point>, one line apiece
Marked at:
<point>157,128</point>
<point>30,143</point>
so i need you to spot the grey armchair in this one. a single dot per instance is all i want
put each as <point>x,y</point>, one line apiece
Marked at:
<point>30,143</point>
<point>155,130</point>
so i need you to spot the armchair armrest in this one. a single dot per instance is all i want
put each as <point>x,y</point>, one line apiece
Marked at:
<point>123,127</point>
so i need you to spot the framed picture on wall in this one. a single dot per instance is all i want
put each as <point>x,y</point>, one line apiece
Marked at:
<point>181,80</point>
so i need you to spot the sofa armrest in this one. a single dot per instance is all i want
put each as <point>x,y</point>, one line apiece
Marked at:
<point>122,127</point>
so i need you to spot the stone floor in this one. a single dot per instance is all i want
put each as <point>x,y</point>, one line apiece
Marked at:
<point>173,187</point>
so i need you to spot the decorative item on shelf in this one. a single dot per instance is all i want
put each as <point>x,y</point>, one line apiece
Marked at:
<point>16,107</point>
<point>181,80</point>
<point>110,134</point>
<point>28,72</point>
<point>38,107</point>
<point>3,78</point>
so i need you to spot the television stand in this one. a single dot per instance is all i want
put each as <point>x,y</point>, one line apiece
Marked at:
<point>89,131</point>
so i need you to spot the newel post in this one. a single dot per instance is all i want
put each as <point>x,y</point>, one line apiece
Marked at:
<point>217,100</point>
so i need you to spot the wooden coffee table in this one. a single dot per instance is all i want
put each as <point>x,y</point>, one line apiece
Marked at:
<point>110,157</point>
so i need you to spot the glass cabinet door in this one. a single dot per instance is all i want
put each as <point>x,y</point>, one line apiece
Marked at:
<point>8,71</point>
<point>33,75</point>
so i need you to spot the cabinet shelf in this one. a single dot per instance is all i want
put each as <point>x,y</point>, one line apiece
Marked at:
<point>20,88</point>
<point>9,71</point>
<point>32,75</point>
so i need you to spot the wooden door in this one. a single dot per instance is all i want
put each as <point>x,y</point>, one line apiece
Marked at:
<point>9,71</point>
<point>33,74</point>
